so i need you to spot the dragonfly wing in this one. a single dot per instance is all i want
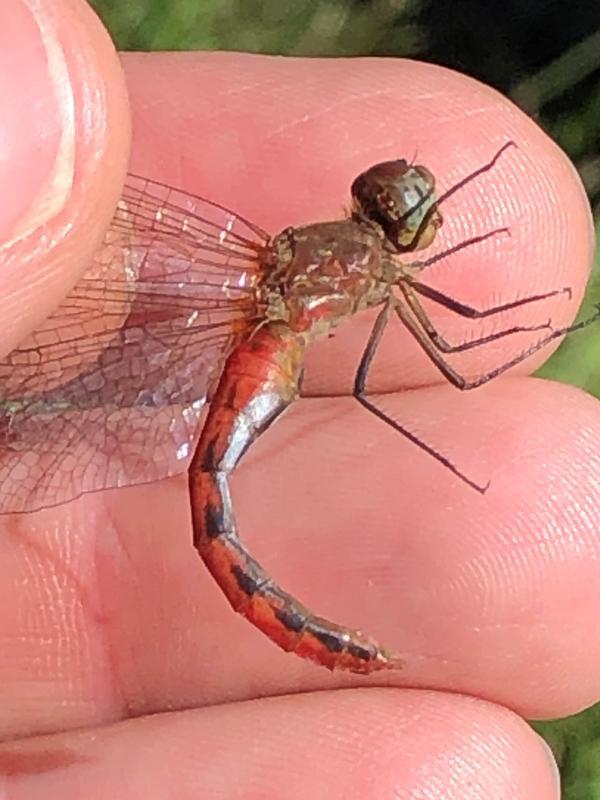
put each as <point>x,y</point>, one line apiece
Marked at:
<point>109,391</point>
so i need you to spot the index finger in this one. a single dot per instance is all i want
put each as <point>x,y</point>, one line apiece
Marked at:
<point>281,140</point>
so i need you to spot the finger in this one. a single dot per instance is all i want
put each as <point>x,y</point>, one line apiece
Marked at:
<point>408,744</point>
<point>65,141</point>
<point>280,141</point>
<point>494,596</point>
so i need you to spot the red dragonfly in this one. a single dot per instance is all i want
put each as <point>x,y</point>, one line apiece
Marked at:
<point>187,303</point>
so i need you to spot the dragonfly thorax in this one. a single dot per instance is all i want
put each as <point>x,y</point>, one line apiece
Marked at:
<point>325,272</point>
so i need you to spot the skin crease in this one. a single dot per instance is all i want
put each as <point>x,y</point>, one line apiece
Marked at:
<point>105,611</point>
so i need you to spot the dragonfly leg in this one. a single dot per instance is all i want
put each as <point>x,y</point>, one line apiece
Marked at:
<point>457,187</point>
<point>459,380</point>
<point>475,313</point>
<point>261,378</point>
<point>417,266</point>
<point>430,347</point>
<point>360,384</point>
<point>438,340</point>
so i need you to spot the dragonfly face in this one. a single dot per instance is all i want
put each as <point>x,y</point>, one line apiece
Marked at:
<point>401,199</point>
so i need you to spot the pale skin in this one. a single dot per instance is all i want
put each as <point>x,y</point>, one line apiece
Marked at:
<point>106,612</point>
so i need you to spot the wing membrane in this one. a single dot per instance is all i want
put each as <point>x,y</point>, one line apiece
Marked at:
<point>109,391</point>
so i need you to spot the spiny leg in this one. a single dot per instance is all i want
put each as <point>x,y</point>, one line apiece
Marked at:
<point>459,380</point>
<point>441,343</point>
<point>419,266</point>
<point>479,171</point>
<point>260,380</point>
<point>449,373</point>
<point>453,189</point>
<point>475,313</point>
<point>360,389</point>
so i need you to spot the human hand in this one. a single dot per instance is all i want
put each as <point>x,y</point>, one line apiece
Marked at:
<point>108,614</point>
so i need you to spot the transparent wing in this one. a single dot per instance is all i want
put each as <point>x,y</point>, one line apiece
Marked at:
<point>110,389</point>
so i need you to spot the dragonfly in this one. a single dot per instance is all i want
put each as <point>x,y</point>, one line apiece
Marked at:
<point>186,339</point>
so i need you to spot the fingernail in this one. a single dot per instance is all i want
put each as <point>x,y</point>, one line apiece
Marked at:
<point>37,136</point>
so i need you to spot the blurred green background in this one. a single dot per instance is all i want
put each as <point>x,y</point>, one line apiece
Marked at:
<point>544,55</point>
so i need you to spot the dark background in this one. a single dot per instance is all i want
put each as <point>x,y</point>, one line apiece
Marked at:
<point>543,55</point>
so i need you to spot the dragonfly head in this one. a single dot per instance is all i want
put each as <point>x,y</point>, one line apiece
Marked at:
<point>399,197</point>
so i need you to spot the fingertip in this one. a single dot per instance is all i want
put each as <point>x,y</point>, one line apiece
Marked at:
<point>359,745</point>
<point>280,141</point>
<point>64,152</point>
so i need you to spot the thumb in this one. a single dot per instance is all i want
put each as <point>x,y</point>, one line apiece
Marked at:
<point>64,147</point>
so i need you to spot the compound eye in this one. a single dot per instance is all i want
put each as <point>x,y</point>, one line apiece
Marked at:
<point>401,200</point>
<point>424,236</point>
